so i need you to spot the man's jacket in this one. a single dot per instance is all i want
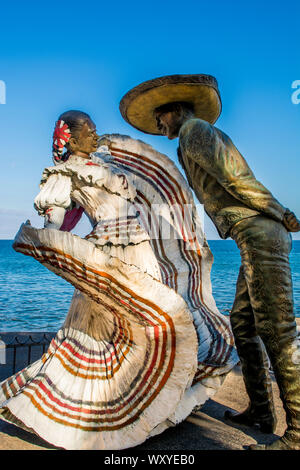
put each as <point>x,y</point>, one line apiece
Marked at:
<point>221,178</point>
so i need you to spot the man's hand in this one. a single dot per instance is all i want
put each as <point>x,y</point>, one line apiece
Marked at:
<point>290,221</point>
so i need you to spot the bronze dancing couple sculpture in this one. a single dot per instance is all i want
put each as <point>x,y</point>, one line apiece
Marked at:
<point>143,343</point>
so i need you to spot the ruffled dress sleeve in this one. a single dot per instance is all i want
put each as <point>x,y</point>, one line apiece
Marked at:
<point>54,198</point>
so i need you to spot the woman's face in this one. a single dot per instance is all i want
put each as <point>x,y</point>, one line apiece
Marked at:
<point>86,141</point>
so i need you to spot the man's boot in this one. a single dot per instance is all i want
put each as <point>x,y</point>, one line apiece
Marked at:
<point>285,359</point>
<point>260,411</point>
<point>255,366</point>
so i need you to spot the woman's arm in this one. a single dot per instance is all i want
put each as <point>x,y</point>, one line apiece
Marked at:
<point>54,217</point>
<point>63,219</point>
<point>54,200</point>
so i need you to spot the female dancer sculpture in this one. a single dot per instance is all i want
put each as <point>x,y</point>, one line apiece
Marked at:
<point>143,342</point>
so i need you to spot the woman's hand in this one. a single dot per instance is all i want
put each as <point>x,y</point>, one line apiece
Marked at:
<point>54,217</point>
<point>290,221</point>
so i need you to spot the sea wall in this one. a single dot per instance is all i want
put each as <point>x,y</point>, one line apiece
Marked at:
<point>24,347</point>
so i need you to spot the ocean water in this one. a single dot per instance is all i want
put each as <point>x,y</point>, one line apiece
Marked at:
<point>34,299</point>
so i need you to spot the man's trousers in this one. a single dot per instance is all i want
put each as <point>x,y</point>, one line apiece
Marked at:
<point>263,313</point>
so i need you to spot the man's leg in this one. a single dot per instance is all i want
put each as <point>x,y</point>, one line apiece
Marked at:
<point>254,364</point>
<point>265,246</point>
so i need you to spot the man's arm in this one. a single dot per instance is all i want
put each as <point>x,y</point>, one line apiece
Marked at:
<point>216,154</point>
<point>290,221</point>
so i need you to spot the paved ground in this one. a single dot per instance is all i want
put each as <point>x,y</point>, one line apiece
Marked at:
<point>204,430</point>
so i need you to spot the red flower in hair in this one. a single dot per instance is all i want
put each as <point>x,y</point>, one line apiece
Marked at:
<point>61,137</point>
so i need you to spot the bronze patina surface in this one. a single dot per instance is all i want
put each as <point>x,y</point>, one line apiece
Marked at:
<point>243,208</point>
<point>240,206</point>
<point>221,178</point>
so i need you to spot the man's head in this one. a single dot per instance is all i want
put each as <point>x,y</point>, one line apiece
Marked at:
<point>187,96</point>
<point>170,117</point>
<point>84,138</point>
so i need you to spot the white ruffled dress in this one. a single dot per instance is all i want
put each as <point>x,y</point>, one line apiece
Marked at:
<point>143,343</point>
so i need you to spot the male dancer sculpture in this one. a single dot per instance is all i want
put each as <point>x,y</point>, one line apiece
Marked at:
<point>186,106</point>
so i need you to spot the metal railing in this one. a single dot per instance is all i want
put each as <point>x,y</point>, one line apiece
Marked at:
<point>27,343</point>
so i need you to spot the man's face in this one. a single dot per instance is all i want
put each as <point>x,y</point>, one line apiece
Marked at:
<point>87,140</point>
<point>169,123</point>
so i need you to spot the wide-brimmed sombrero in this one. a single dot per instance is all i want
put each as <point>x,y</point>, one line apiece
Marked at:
<point>138,105</point>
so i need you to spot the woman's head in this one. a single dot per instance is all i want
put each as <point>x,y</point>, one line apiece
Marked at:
<point>76,132</point>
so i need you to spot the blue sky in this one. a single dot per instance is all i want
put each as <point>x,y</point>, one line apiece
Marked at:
<point>56,56</point>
